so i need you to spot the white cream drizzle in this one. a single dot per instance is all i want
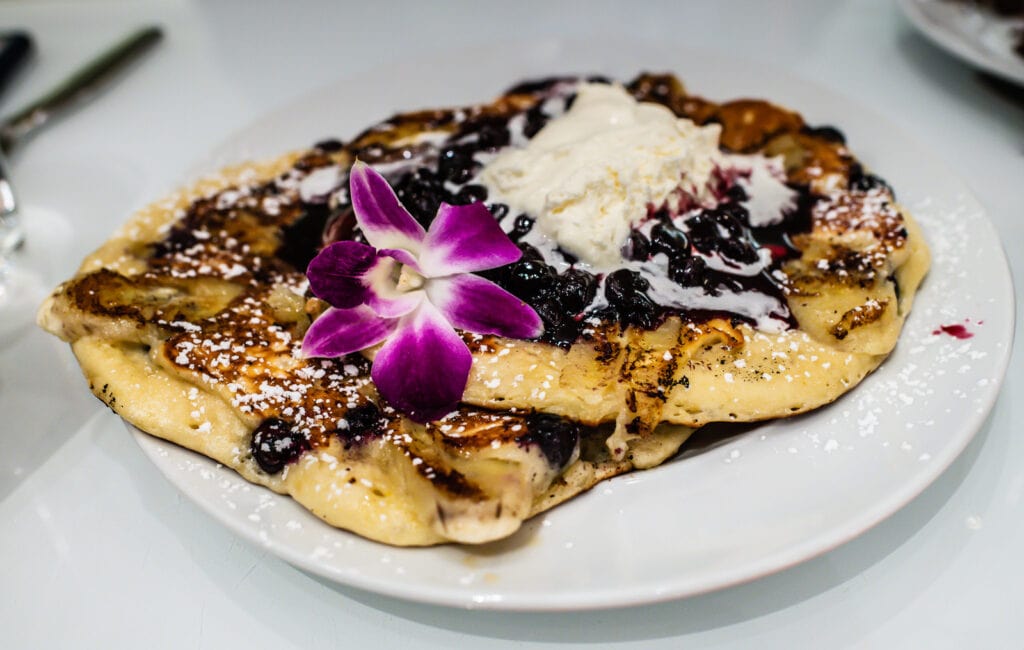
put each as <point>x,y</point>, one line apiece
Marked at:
<point>764,181</point>
<point>319,183</point>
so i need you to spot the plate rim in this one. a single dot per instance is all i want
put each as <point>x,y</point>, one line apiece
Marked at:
<point>950,41</point>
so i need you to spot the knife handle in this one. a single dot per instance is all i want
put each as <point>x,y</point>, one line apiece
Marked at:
<point>14,50</point>
<point>76,89</point>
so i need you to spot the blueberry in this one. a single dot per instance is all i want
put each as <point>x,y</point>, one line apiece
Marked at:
<point>574,290</point>
<point>739,250</point>
<point>736,193</point>
<point>688,272</point>
<point>719,230</point>
<point>522,225</point>
<point>622,284</point>
<point>626,292</point>
<point>605,314</point>
<point>471,194</point>
<point>558,300</point>
<point>703,231</point>
<point>364,420</point>
<point>529,278</point>
<point>493,134</point>
<point>422,193</point>
<point>556,437</point>
<point>490,131</point>
<point>732,216</point>
<point>669,240</point>
<point>637,247</point>
<point>864,182</point>
<point>181,237</point>
<point>274,444</point>
<point>560,328</point>
<point>535,121</point>
<point>456,164</point>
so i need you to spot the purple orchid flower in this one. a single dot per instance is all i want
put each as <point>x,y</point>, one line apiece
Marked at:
<point>411,288</point>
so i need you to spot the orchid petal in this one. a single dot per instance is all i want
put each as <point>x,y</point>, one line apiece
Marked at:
<point>394,303</point>
<point>423,368</point>
<point>475,304</point>
<point>336,273</point>
<point>338,332</point>
<point>465,238</point>
<point>381,217</point>
<point>402,256</point>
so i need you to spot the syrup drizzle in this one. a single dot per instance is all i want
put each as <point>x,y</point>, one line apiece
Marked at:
<point>957,331</point>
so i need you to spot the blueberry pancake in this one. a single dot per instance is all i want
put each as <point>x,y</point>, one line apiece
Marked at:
<point>698,262</point>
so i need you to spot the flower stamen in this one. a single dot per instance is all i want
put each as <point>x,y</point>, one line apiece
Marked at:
<point>409,280</point>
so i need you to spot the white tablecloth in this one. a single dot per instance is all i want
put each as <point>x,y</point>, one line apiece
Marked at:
<point>98,550</point>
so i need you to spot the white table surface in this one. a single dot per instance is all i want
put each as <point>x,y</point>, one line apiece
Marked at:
<point>97,550</point>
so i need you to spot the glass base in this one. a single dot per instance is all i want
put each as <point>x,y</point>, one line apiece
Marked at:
<point>12,235</point>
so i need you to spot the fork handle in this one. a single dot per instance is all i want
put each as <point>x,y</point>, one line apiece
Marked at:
<point>83,84</point>
<point>12,235</point>
<point>14,50</point>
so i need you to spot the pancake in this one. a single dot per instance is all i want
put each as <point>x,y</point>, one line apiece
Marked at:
<point>188,321</point>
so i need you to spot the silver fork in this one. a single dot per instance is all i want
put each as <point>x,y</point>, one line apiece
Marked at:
<point>11,233</point>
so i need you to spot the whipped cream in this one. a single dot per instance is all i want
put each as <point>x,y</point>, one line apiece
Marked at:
<point>590,175</point>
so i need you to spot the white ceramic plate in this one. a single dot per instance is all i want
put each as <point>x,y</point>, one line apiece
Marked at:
<point>975,35</point>
<point>777,495</point>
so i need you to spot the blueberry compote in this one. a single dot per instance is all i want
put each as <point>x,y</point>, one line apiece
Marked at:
<point>671,264</point>
<point>560,299</point>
